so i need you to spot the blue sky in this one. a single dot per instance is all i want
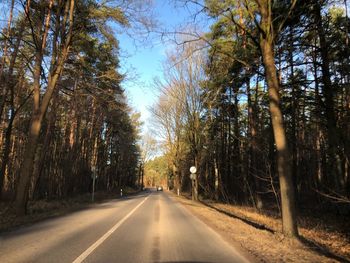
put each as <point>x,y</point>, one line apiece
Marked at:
<point>146,60</point>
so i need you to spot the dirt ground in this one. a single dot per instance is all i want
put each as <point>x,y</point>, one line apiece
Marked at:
<point>260,236</point>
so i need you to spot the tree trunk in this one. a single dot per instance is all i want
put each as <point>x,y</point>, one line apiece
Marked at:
<point>39,109</point>
<point>40,154</point>
<point>34,131</point>
<point>27,166</point>
<point>8,134</point>
<point>196,181</point>
<point>7,151</point>
<point>217,178</point>
<point>283,156</point>
<point>176,178</point>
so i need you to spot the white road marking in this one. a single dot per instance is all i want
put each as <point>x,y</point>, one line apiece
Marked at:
<point>87,252</point>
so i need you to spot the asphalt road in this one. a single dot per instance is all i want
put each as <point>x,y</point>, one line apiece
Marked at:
<point>149,227</point>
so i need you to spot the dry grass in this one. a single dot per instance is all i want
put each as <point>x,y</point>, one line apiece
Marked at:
<point>326,231</point>
<point>322,240</point>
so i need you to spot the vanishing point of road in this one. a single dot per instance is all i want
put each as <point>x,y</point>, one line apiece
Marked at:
<point>148,227</point>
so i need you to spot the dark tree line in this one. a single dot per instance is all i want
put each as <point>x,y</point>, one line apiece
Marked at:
<point>63,112</point>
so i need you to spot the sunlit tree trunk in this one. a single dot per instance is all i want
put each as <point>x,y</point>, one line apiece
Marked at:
<point>284,166</point>
<point>39,160</point>
<point>283,155</point>
<point>39,109</point>
<point>177,184</point>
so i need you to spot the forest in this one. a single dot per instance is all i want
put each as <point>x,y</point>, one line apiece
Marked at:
<point>64,116</point>
<point>259,103</point>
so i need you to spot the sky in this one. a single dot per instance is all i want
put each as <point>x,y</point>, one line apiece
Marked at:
<point>143,63</point>
<point>146,61</point>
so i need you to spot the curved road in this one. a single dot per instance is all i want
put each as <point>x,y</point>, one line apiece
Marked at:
<point>149,227</point>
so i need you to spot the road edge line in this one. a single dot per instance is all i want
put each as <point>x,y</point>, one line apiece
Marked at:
<point>88,251</point>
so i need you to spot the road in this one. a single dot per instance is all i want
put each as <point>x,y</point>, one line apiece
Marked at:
<point>149,227</point>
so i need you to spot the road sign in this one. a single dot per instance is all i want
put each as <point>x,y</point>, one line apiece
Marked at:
<point>193,169</point>
<point>193,176</point>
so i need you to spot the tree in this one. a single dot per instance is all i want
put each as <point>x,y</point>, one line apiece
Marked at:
<point>148,149</point>
<point>156,171</point>
<point>168,114</point>
<point>78,107</point>
<point>40,106</point>
<point>263,22</point>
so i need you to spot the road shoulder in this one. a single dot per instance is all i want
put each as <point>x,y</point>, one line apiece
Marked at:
<point>255,244</point>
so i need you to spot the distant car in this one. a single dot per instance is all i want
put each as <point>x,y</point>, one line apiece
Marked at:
<point>159,188</point>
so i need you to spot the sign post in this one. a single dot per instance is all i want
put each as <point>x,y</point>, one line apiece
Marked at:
<point>93,170</point>
<point>193,177</point>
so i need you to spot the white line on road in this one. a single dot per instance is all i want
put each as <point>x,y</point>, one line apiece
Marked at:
<point>87,252</point>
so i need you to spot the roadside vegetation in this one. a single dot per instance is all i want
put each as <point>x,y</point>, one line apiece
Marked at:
<point>64,117</point>
<point>257,99</point>
<point>260,105</point>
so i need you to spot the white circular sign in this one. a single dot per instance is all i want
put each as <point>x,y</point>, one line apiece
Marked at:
<point>193,169</point>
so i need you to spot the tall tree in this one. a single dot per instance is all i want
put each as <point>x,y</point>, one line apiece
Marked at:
<point>264,21</point>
